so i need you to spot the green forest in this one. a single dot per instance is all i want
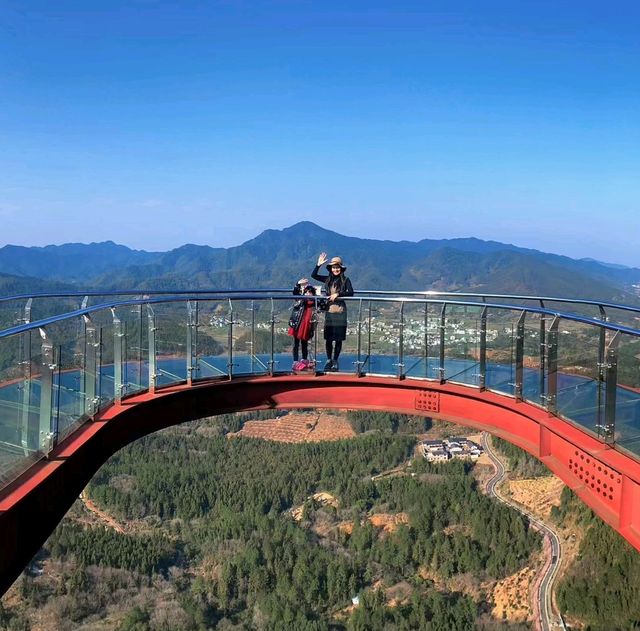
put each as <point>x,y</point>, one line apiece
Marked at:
<point>221,537</point>
<point>602,587</point>
<point>228,533</point>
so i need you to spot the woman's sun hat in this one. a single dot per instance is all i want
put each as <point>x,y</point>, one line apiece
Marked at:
<point>336,260</point>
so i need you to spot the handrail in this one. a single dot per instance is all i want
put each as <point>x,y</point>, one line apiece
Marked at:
<point>30,326</point>
<point>134,292</point>
<point>541,299</point>
<point>358,293</point>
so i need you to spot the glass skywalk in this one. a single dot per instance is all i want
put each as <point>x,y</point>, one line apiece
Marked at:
<point>59,370</point>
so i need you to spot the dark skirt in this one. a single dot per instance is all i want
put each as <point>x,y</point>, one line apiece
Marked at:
<point>335,326</point>
<point>335,333</point>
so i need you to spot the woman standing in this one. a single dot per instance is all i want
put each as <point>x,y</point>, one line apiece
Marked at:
<point>336,286</point>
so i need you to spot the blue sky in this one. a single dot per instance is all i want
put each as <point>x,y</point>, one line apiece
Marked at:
<point>156,123</point>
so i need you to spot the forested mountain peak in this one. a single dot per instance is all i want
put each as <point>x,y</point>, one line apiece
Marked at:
<point>276,257</point>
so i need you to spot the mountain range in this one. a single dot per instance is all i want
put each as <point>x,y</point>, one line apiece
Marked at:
<point>276,258</point>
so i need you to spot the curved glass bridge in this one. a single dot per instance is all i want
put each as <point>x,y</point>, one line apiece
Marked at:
<point>570,367</point>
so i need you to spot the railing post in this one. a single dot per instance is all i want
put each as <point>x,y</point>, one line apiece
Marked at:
<point>26,370</point>
<point>138,310</point>
<point>552,366</point>
<point>89,366</point>
<point>482,377</point>
<point>602,374</point>
<point>401,344</point>
<point>192,323</point>
<point>359,341</point>
<point>442,330</point>
<point>153,359</point>
<point>253,337</point>
<point>118,341</point>
<point>608,430</point>
<point>603,313</point>
<point>315,320</point>
<point>426,339</point>
<point>602,341</point>
<point>273,341</point>
<point>542,353</point>
<point>519,355</point>
<point>369,336</point>
<point>45,433</point>
<point>230,341</point>
<point>99,345</point>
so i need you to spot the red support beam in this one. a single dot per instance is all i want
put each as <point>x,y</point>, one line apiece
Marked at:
<point>606,480</point>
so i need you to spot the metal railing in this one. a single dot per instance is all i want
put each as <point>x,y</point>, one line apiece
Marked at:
<point>58,371</point>
<point>602,309</point>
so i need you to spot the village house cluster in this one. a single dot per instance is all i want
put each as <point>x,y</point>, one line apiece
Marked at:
<point>455,447</point>
<point>385,330</point>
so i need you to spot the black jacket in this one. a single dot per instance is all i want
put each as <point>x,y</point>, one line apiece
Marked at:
<point>340,285</point>
<point>299,307</point>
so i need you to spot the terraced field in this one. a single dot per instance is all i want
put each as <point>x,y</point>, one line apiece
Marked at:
<point>299,427</point>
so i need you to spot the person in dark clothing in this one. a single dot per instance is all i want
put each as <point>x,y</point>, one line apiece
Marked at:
<point>336,285</point>
<point>301,322</point>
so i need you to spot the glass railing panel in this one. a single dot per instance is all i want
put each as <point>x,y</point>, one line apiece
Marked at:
<point>26,428</point>
<point>250,348</point>
<point>212,339</point>
<point>135,348</point>
<point>69,396</point>
<point>171,329</point>
<point>58,375</point>
<point>533,378</point>
<point>627,393</point>
<point>501,350</point>
<point>282,341</point>
<point>361,321</point>
<point>462,344</point>
<point>12,384</point>
<point>348,361</point>
<point>580,389</point>
<point>419,332</point>
<point>11,357</point>
<point>124,335</point>
<point>585,310</point>
<point>381,338</point>
<point>91,368</point>
<point>39,428</point>
<point>47,307</point>
<point>623,317</point>
<point>124,349</point>
<point>12,313</point>
<point>105,384</point>
<point>18,412</point>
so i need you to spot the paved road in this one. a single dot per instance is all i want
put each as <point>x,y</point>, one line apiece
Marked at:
<point>548,620</point>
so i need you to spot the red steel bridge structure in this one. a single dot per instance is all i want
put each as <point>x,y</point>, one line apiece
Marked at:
<point>82,375</point>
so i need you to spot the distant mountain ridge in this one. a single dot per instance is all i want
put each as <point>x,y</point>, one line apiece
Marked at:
<point>11,285</point>
<point>276,258</point>
<point>71,262</point>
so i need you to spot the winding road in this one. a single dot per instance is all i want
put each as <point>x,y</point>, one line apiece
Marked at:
<point>548,620</point>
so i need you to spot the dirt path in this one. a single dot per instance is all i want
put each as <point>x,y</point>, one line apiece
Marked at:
<point>103,517</point>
